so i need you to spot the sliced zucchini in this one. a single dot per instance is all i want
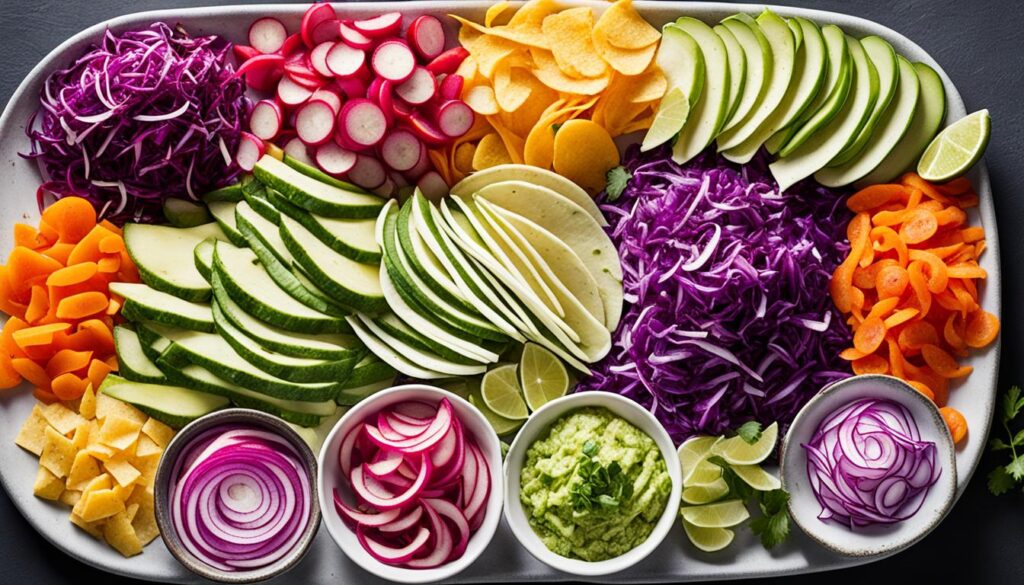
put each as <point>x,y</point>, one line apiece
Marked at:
<point>395,327</point>
<point>133,363</point>
<point>163,255</point>
<point>224,213</point>
<point>257,195</point>
<point>352,238</point>
<point>423,262</point>
<point>352,396</point>
<point>314,195</point>
<point>183,213</point>
<point>172,405</point>
<point>229,193</point>
<point>424,359</point>
<point>370,369</point>
<point>255,226</point>
<point>392,357</point>
<point>313,172</point>
<point>202,257</point>
<point>150,304</point>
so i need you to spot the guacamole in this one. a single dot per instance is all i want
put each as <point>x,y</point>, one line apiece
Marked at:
<point>594,486</point>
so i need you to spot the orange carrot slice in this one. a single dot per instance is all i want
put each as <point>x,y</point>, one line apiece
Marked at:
<point>869,335</point>
<point>870,364</point>
<point>955,421</point>
<point>31,371</point>
<point>967,271</point>
<point>935,269</point>
<point>39,335</point>
<point>72,217</point>
<point>874,196</point>
<point>38,306</point>
<point>900,317</point>
<point>98,370</point>
<point>891,282</point>
<point>982,329</point>
<point>67,360</point>
<point>920,225</point>
<point>917,335</point>
<point>68,386</point>
<point>922,388</point>
<point>942,363</point>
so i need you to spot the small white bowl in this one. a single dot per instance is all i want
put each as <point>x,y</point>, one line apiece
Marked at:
<point>538,423</point>
<point>330,474</point>
<point>876,539</point>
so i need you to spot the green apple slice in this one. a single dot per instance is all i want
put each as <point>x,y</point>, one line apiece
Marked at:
<point>682,61</point>
<point>758,55</point>
<point>883,57</point>
<point>826,143</point>
<point>886,136</point>
<point>783,56</point>
<point>737,68</point>
<point>929,114</point>
<point>808,74</point>
<point>708,115</point>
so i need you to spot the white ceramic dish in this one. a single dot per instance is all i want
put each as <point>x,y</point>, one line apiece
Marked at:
<point>328,479</point>
<point>504,561</point>
<point>869,541</point>
<point>538,424</point>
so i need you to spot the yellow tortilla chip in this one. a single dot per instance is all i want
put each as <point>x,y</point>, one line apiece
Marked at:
<point>62,418</point>
<point>490,152</point>
<point>32,436</point>
<point>569,35</point>
<point>84,469</point>
<point>118,533</point>
<point>625,28</point>
<point>517,35</point>
<point>512,86</point>
<point>464,157</point>
<point>58,454</point>
<point>649,86</point>
<point>531,15</point>
<point>148,468</point>
<point>496,10</point>
<point>100,482</point>
<point>548,72</point>
<point>539,150</point>
<point>513,142</point>
<point>93,528</point>
<point>106,406</point>
<point>83,434</point>
<point>584,153</point>
<point>100,504</point>
<point>481,99</point>
<point>146,448</point>
<point>625,61</point>
<point>144,521</point>
<point>48,486</point>
<point>522,121</point>
<point>122,471</point>
<point>87,407</point>
<point>119,432</point>
<point>100,451</point>
<point>70,497</point>
<point>158,431</point>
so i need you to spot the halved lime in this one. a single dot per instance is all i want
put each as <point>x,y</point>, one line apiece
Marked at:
<point>757,478</point>
<point>708,539</point>
<point>955,150</point>
<point>707,493</point>
<point>692,452</point>
<point>672,114</point>
<point>502,426</point>
<point>717,515</point>
<point>542,375</point>
<point>736,451</point>
<point>501,393</point>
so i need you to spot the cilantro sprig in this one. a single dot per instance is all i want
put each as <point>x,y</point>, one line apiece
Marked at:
<point>773,523</point>
<point>617,179</point>
<point>1006,477</point>
<point>604,486</point>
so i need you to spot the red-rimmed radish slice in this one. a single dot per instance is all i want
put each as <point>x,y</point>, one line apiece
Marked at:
<point>446,449</point>
<point>244,52</point>
<point>368,172</point>
<point>444,543</point>
<point>290,93</point>
<point>392,555</point>
<point>354,38</point>
<point>326,32</point>
<point>316,14</point>
<point>454,118</point>
<point>335,160</point>
<point>426,35</point>
<point>398,179</point>
<point>401,150</point>
<point>449,61</point>
<point>295,148</point>
<point>426,131</point>
<point>402,110</point>
<point>318,59</point>
<point>419,88</point>
<point>386,189</point>
<point>475,502</point>
<point>344,61</point>
<point>422,166</point>
<point>314,122</point>
<point>384,98</point>
<point>385,429</point>
<point>267,35</point>
<point>362,123</point>
<point>403,428</point>
<point>262,72</point>
<point>363,485</point>
<point>330,96</point>
<point>363,518</point>
<point>302,73</point>
<point>451,87</point>
<point>393,60</point>
<point>385,463</point>
<point>403,523</point>
<point>266,119</point>
<point>432,185</point>
<point>385,25</point>
<point>347,447</point>
<point>250,150</point>
<point>291,45</point>
<point>352,87</point>
<point>457,518</point>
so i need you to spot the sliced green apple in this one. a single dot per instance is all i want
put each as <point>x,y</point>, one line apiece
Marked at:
<point>681,60</point>
<point>758,55</point>
<point>708,115</point>
<point>883,57</point>
<point>737,68</point>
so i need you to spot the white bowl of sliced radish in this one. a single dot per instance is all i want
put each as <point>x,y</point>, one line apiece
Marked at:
<point>410,481</point>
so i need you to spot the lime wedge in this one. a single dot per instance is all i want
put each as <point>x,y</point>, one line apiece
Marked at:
<point>502,426</point>
<point>707,493</point>
<point>542,375</point>
<point>757,478</point>
<point>501,393</point>
<point>955,150</point>
<point>672,114</point>
<point>736,451</point>
<point>717,515</point>
<point>708,539</point>
<point>704,473</point>
<point>692,452</point>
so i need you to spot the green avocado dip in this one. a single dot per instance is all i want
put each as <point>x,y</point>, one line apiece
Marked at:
<point>594,486</point>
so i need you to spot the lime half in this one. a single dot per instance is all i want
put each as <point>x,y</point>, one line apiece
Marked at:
<point>502,426</point>
<point>757,478</point>
<point>736,451</point>
<point>672,114</point>
<point>542,375</point>
<point>955,150</point>
<point>708,539</point>
<point>717,515</point>
<point>707,493</point>
<point>692,452</point>
<point>501,393</point>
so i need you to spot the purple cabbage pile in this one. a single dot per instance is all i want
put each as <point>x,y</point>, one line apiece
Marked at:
<point>142,116</point>
<point>728,317</point>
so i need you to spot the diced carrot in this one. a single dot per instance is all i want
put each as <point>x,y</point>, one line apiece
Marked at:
<point>59,252</point>
<point>99,335</point>
<point>982,329</point>
<point>38,306</point>
<point>7,303</point>
<point>13,325</point>
<point>955,421</point>
<point>82,305</point>
<point>112,244</point>
<point>98,370</point>
<point>920,225</point>
<point>31,371</point>
<point>900,317</point>
<point>28,236</point>
<point>88,248</point>
<point>869,335</point>
<point>71,275</point>
<point>68,386</point>
<point>72,217</point>
<point>39,335</point>
<point>917,335</point>
<point>942,363</point>
<point>874,196</point>
<point>67,360</point>
<point>110,264</point>
<point>113,307</point>
<point>9,377</point>
<point>27,267</point>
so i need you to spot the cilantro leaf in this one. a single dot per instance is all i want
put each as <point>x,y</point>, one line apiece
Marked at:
<point>997,444</point>
<point>617,179</point>
<point>774,501</point>
<point>773,529</point>
<point>1016,468</point>
<point>749,431</point>
<point>999,482</point>
<point>1012,404</point>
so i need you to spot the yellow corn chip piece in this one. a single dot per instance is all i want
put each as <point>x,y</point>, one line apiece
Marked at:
<point>100,482</point>
<point>625,28</point>
<point>569,35</point>
<point>119,432</point>
<point>548,72</point>
<point>32,436</point>
<point>539,150</point>
<point>512,86</point>
<point>158,431</point>
<point>58,454</point>
<point>131,510</point>
<point>584,152</point>
<point>481,99</point>
<point>625,61</point>
<point>513,143</point>
<point>83,471</point>
<point>517,35</point>
<point>87,407</point>
<point>144,521</point>
<point>100,451</point>
<point>70,497</point>
<point>106,406</point>
<point>83,433</point>
<point>62,418</point>
<point>649,86</point>
<point>146,448</point>
<point>93,528</point>
<point>118,533</point>
<point>494,12</point>
<point>531,15</point>
<point>122,471</point>
<point>100,504</point>
<point>48,486</point>
<point>490,152</point>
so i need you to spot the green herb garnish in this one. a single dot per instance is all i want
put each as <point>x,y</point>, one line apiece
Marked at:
<point>616,179</point>
<point>749,431</point>
<point>600,486</point>
<point>1006,477</point>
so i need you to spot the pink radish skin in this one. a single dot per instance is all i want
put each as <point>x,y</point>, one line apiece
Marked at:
<point>318,59</point>
<point>352,87</point>
<point>419,88</point>
<point>422,166</point>
<point>266,119</point>
<point>354,38</point>
<point>451,87</point>
<point>393,60</point>
<point>296,148</point>
<point>244,52</point>
<point>363,123</point>
<point>426,131</point>
<point>433,186</point>
<point>426,35</point>
<point>290,93</point>
<point>449,61</point>
<point>267,35</point>
<point>303,74</point>
<point>316,14</point>
<point>344,61</point>
<point>368,173</point>
<point>250,150</point>
<point>403,111</point>
<point>385,25</point>
<point>335,160</point>
<point>326,31</point>
<point>314,122</point>
<point>385,100</point>
<point>291,45</point>
<point>262,72</point>
<point>386,189</point>
<point>454,118</point>
<point>330,96</point>
<point>401,150</point>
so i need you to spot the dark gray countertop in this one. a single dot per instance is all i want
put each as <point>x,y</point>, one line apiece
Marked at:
<point>979,45</point>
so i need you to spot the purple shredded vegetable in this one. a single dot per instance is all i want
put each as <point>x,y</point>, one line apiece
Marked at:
<point>868,465</point>
<point>728,316</point>
<point>145,115</point>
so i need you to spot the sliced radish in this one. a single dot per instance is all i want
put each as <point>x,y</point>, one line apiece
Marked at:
<point>432,185</point>
<point>266,119</point>
<point>316,14</point>
<point>364,486</point>
<point>425,130</point>
<point>362,518</point>
<point>330,96</point>
<point>354,38</point>
<point>444,543</point>
<point>262,72</point>
<point>335,160</point>
<point>391,554</point>
<point>448,61</point>
<point>419,88</point>
<point>386,188</point>
<point>244,52</point>
<point>267,35</point>
<point>385,463</point>
<point>362,122</point>
<point>295,148</point>
<point>402,110</point>
<point>422,166</point>
<point>368,173</point>
<point>385,25</point>
<point>426,35</point>
<point>451,87</point>
<point>344,61</point>
<point>301,72</point>
<point>352,87</point>
<point>383,98</point>
<point>291,45</point>
<point>291,93</point>
<point>454,118</point>
<point>393,60</point>
<point>318,59</point>
<point>326,32</point>
<point>314,122</point>
<point>401,150</point>
<point>250,150</point>
<point>403,523</point>
<point>456,516</point>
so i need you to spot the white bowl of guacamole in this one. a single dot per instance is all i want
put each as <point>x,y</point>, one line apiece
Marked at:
<point>591,484</point>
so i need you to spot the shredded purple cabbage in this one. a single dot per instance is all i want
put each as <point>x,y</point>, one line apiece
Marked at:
<point>145,115</point>
<point>728,316</point>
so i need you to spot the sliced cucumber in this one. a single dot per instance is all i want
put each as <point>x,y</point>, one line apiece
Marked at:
<point>314,195</point>
<point>758,55</point>
<point>680,58</point>
<point>203,258</point>
<point>311,171</point>
<point>133,363</point>
<point>224,213</point>
<point>229,193</point>
<point>160,307</point>
<point>424,263</point>
<point>183,213</point>
<point>424,359</point>
<point>352,396</point>
<point>708,115</point>
<point>254,226</point>
<point>153,344</point>
<point>392,357</point>
<point>370,369</point>
<point>163,256</point>
<point>397,328</point>
<point>352,238</point>
<point>883,57</point>
<point>172,405</point>
<point>257,195</point>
